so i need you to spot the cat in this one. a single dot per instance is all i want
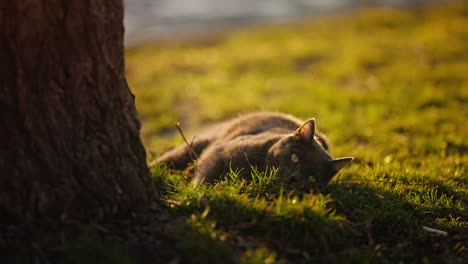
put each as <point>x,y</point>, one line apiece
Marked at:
<point>260,140</point>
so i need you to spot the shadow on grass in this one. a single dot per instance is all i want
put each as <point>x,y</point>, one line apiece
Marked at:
<point>225,223</point>
<point>393,221</point>
<point>235,221</point>
<point>361,223</point>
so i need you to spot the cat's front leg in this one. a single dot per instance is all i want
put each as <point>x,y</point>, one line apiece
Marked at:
<point>211,165</point>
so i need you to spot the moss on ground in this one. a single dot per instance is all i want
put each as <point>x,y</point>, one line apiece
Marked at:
<point>387,86</point>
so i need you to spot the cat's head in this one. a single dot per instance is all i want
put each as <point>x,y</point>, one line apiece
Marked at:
<point>302,156</point>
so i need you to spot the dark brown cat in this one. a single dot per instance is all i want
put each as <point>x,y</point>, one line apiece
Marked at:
<point>260,140</point>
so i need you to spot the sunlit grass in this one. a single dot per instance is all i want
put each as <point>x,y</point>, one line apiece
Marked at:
<point>387,86</point>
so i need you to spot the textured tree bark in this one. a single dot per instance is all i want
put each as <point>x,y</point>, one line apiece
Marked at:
<point>69,135</point>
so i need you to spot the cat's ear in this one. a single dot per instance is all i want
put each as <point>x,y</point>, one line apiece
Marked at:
<point>306,131</point>
<point>340,163</point>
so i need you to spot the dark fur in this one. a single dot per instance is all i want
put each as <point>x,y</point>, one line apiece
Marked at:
<point>259,140</point>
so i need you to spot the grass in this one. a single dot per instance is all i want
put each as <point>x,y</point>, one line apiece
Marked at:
<point>387,86</point>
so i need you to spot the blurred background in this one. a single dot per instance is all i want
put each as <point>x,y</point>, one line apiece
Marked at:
<point>385,79</point>
<point>156,19</point>
<point>387,82</point>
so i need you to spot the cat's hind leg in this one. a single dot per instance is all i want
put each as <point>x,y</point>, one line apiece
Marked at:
<point>180,157</point>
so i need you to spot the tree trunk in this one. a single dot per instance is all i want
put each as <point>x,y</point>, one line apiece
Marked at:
<point>69,135</point>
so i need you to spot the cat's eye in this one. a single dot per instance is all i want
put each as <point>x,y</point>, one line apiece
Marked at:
<point>312,179</point>
<point>294,158</point>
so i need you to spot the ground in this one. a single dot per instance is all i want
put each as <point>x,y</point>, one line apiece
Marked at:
<point>387,86</point>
